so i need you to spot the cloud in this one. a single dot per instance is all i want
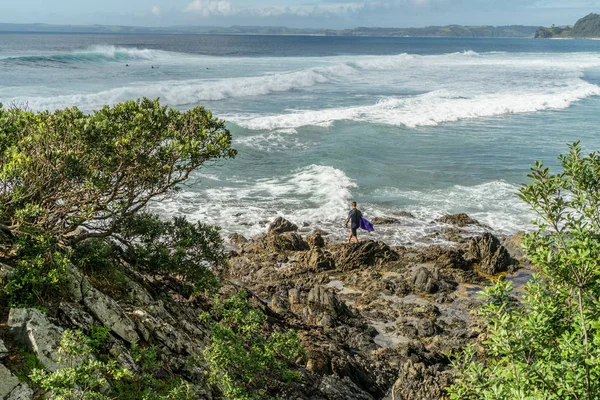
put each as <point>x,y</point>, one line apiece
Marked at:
<point>207,8</point>
<point>156,11</point>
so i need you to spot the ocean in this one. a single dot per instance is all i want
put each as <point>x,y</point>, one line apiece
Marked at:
<point>426,126</point>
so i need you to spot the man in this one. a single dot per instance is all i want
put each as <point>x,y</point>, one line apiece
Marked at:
<point>354,218</point>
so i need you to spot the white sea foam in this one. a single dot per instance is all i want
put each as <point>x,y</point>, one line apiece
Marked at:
<point>315,194</point>
<point>433,108</point>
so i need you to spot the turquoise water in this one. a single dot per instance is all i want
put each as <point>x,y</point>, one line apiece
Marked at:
<point>429,126</point>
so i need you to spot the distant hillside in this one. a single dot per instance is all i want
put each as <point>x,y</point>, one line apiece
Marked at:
<point>433,31</point>
<point>586,27</point>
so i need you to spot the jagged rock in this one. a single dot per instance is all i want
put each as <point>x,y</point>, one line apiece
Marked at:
<point>104,308</point>
<point>417,381</point>
<point>290,241</point>
<point>21,392</point>
<point>453,234</point>
<point>404,214</point>
<point>384,221</point>
<point>424,281</point>
<point>458,220</point>
<point>336,388</point>
<point>319,260</point>
<point>3,350</point>
<point>32,328</point>
<point>8,382</point>
<point>453,259</point>
<point>514,245</point>
<point>318,307</point>
<point>74,316</point>
<point>315,240</point>
<point>237,240</point>
<point>491,256</point>
<point>363,254</point>
<point>5,271</point>
<point>282,225</point>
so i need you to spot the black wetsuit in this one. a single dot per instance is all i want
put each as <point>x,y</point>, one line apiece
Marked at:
<point>354,216</point>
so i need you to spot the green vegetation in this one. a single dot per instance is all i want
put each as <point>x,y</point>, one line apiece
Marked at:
<point>86,375</point>
<point>547,345</point>
<point>586,27</point>
<point>245,361</point>
<point>74,189</point>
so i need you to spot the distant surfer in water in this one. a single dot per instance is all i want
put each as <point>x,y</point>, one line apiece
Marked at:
<point>354,218</point>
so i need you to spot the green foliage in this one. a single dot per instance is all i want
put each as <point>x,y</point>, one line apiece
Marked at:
<point>84,375</point>
<point>23,363</point>
<point>62,171</point>
<point>176,247</point>
<point>74,190</point>
<point>245,361</point>
<point>547,345</point>
<point>39,271</point>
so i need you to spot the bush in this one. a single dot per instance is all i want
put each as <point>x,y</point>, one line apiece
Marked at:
<point>245,361</point>
<point>548,344</point>
<point>74,189</point>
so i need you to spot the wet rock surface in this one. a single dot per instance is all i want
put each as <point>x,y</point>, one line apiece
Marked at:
<point>377,322</point>
<point>459,220</point>
<point>374,317</point>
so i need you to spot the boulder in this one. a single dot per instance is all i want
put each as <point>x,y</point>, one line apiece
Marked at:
<point>104,308</point>
<point>317,307</point>
<point>493,258</point>
<point>458,220</point>
<point>336,388</point>
<point>384,221</point>
<point>315,240</point>
<point>319,260</point>
<point>3,350</point>
<point>282,225</point>
<point>366,253</point>
<point>289,241</point>
<point>514,245</point>
<point>21,392</point>
<point>33,329</point>
<point>8,382</point>
<point>237,240</point>
<point>404,214</point>
<point>424,281</point>
<point>453,259</point>
<point>416,381</point>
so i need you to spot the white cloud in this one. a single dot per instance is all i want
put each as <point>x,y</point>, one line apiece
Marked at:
<point>206,8</point>
<point>156,11</point>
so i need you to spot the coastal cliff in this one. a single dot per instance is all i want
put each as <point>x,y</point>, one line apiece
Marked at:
<point>586,27</point>
<point>375,322</point>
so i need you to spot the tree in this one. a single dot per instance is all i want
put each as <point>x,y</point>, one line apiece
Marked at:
<point>547,345</point>
<point>74,189</point>
<point>80,176</point>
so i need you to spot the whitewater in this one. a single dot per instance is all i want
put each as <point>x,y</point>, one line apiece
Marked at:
<point>410,128</point>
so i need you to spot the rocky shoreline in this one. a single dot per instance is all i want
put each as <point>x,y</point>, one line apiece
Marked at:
<point>377,322</point>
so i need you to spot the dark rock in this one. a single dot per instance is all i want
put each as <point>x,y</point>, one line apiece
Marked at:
<point>319,260</point>
<point>404,214</point>
<point>424,281</point>
<point>458,220</point>
<point>492,257</point>
<point>315,240</point>
<point>367,253</point>
<point>321,232</point>
<point>514,245</point>
<point>453,234</point>
<point>282,225</point>
<point>290,241</point>
<point>453,259</point>
<point>416,381</point>
<point>237,240</point>
<point>336,388</point>
<point>384,221</point>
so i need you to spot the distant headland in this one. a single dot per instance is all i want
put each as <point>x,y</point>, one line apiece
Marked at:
<point>509,31</point>
<point>586,27</point>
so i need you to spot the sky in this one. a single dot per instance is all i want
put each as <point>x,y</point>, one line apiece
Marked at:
<point>335,14</point>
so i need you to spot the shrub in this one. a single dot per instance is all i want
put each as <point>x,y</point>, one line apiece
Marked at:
<point>245,361</point>
<point>548,344</point>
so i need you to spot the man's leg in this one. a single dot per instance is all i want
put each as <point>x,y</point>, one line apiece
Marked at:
<point>350,237</point>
